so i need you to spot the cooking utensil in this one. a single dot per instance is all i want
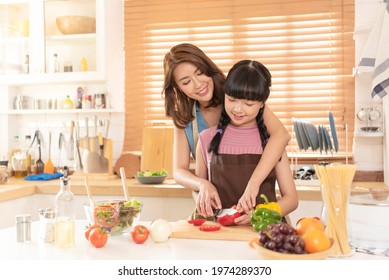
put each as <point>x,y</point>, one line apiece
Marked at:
<point>123,177</point>
<point>102,159</point>
<point>70,145</point>
<point>77,140</point>
<point>61,142</point>
<point>49,166</point>
<point>225,211</point>
<point>88,192</point>
<point>374,114</point>
<point>39,163</point>
<point>95,140</point>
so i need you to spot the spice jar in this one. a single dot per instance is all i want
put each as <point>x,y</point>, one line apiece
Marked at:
<point>100,101</point>
<point>47,223</point>
<point>23,228</point>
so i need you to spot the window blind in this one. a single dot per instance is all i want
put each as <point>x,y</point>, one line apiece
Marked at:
<point>307,45</point>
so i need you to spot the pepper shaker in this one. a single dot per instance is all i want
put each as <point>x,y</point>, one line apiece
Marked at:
<point>23,228</point>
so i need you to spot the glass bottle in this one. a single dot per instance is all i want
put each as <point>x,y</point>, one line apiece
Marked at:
<point>68,103</point>
<point>84,65</point>
<point>65,213</point>
<point>27,144</point>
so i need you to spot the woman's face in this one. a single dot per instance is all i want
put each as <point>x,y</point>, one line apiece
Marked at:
<point>242,112</point>
<point>194,83</point>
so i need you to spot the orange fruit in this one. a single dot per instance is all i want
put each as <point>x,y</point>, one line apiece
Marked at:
<point>316,241</point>
<point>252,241</point>
<point>305,224</point>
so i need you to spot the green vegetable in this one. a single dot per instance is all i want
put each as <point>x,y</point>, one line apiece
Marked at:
<point>262,217</point>
<point>163,172</point>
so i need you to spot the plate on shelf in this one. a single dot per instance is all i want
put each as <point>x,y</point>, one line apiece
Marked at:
<point>328,139</point>
<point>323,139</point>
<point>298,138</point>
<point>321,144</point>
<point>333,131</point>
<point>311,133</point>
<point>303,137</point>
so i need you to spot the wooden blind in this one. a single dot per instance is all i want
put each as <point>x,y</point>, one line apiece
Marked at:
<point>307,45</point>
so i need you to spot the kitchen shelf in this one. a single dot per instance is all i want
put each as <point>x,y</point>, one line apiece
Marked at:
<point>63,111</point>
<point>369,134</point>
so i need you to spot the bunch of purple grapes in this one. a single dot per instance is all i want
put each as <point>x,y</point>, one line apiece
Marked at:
<point>282,238</point>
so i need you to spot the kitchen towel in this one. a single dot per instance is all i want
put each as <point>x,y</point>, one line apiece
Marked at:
<point>375,55</point>
<point>43,177</point>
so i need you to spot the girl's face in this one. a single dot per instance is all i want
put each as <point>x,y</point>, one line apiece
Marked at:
<point>194,83</point>
<point>242,112</point>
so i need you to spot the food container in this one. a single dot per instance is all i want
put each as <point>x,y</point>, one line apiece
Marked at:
<point>113,215</point>
<point>367,222</point>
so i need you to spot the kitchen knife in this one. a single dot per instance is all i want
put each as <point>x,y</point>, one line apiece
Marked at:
<point>225,211</point>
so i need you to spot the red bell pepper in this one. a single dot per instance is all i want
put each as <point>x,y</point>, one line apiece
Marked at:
<point>197,222</point>
<point>209,227</point>
<point>228,220</point>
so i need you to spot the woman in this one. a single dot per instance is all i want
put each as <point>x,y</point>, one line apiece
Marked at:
<point>228,153</point>
<point>193,91</point>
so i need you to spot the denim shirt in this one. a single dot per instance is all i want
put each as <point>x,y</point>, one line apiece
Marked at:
<point>201,125</point>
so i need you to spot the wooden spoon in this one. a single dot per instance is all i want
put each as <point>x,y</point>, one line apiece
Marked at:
<point>91,203</point>
<point>123,177</point>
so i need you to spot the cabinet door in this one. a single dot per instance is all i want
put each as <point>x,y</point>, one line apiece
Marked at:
<point>14,38</point>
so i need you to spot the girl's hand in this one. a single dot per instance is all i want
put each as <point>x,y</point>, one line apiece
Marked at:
<point>207,199</point>
<point>243,219</point>
<point>247,202</point>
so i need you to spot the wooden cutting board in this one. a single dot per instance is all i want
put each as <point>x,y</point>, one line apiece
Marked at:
<point>182,229</point>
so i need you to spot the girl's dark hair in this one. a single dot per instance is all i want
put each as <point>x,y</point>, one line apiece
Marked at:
<point>178,105</point>
<point>247,79</point>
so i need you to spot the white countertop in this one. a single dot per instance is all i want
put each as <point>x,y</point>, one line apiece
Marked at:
<point>122,247</point>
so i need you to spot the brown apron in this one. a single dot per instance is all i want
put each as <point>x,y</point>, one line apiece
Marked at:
<point>231,173</point>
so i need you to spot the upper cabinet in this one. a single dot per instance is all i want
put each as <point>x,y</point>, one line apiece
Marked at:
<point>51,41</point>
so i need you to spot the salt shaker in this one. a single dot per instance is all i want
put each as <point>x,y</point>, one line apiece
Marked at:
<point>23,228</point>
<point>49,226</point>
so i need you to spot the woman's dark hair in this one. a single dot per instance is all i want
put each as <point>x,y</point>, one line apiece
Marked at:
<point>247,79</point>
<point>178,105</point>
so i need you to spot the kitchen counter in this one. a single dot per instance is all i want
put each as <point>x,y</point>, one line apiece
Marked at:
<point>102,185</point>
<point>123,248</point>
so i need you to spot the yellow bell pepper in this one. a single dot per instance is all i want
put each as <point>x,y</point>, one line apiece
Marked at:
<point>269,205</point>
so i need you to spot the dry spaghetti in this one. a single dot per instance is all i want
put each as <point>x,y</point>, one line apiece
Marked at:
<point>336,180</point>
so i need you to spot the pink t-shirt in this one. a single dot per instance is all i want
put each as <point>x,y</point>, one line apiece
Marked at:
<point>236,141</point>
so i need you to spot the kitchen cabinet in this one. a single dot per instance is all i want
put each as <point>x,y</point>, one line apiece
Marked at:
<point>30,38</point>
<point>28,27</point>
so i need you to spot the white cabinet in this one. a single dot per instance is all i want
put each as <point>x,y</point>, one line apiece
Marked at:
<point>28,27</point>
<point>30,38</point>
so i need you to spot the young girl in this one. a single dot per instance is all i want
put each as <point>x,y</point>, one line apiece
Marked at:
<point>193,91</point>
<point>228,153</point>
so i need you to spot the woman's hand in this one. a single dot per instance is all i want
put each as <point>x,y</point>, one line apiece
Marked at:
<point>207,199</point>
<point>247,201</point>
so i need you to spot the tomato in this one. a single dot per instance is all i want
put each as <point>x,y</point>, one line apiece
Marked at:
<point>197,222</point>
<point>311,223</point>
<point>209,227</point>
<point>140,234</point>
<point>98,237</point>
<point>88,229</point>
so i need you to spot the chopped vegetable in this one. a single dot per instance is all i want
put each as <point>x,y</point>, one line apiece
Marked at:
<point>163,172</point>
<point>197,222</point>
<point>228,220</point>
<point>209,227</point>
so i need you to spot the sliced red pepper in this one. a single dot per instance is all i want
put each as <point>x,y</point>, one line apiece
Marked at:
<point>228,220</point>
<point>197,222</point>
<point>106,216</point>
<point>209,227</point>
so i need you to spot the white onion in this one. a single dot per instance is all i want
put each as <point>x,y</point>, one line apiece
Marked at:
<point>160,231</point>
